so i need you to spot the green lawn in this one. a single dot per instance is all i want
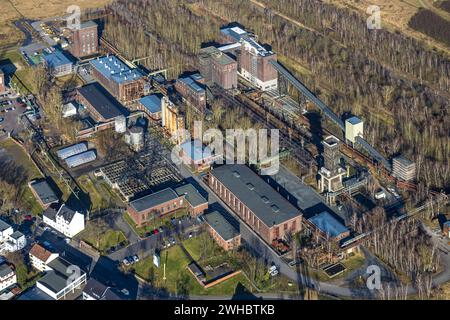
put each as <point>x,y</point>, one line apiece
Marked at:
<point>176,266</point>
<point>102,242</point>
<point>98,200</point>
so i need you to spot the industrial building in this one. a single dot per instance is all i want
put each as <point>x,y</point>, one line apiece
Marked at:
<point>172,120</point>
<point>58,64</point>
<point>354,127</point>
<point>135,138</point>
<point>72,150</point>
<point>81,158</point>
<point>43,193</point>
<point>403,168</point>
<point>192,91</point>
<point>197,156</point>
<point>152,105</point>
<point>253,59</point>
<point>218,68</point>
<point>165,202</point>
<point>260,206</point>
<point>222,231</point>
<point>101,105</point>
<point>125,83</point>
<point>331,173</point>
<point>83,42</point>
<point>197,202</point>
<point>153,205</point>
<point>328,227</point>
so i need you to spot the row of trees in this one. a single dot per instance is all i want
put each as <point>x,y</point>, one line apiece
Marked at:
<point>50,97</point>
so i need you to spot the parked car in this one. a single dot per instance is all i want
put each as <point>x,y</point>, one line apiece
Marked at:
<point>135,258</point>
<point>172,240</point>
<point>155,231</point>
<point>190,235</point>
<point>126,262</point>
<point>28,217</point>
<point>2,119</point>
<point>161,229</point>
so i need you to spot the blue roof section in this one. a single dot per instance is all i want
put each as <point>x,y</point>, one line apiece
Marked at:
<point>196,150</point>
<point>113,68</point>
<point>326,223</point>
<point>192,83</point>
<point>354,120</point>
<point>56,59</point>
<point>152,103</point>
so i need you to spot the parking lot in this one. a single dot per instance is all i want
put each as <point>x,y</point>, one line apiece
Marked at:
<point>10,111</point>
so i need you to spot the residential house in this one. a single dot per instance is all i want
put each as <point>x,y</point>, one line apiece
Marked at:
<point>64,219</point>
<point>8,277</point>
<point>41,257</point>
<point>95,290</point>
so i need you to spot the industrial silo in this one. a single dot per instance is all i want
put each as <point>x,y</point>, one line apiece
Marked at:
<point>121,124</point>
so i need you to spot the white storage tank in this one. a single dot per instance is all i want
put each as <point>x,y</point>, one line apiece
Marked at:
<point>121,124</point>
<point>136,137</point>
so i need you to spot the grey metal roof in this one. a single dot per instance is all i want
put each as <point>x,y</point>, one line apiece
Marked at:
<point>191,194</point>
<point>71,150</point>
<point>4,226</point>
<point>57,279</point>
<point>326,223</point>
<point>16,235</point>
<point>264,201</point>
<point>53,281</point>
<point>81,158</point>
<point>5,270</point>
<point>51,212</point>
<point>105,104</point>
<point>221,225</point>
<point>44,191</point>
<point>153,199</point>
<point>99,291</point>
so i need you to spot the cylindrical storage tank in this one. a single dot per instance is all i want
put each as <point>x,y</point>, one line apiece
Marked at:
<point>136,137</point>
<point>121,124</point>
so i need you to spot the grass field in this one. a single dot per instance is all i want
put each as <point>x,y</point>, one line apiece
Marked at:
<point>176,266</point>
<point>103,241</point>
<point>395,15</point>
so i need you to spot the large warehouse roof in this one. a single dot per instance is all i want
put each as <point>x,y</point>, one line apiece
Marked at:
<point>264,201</point>
<point>105,104</point>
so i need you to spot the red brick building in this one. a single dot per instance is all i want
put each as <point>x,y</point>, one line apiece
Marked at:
<point>123,82</point>
<point>84,41</point>
<point>192,91</point>
<point>165,202</point>
<point>218,68</point>
<point>222,231</point>
<point>260,206</point>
